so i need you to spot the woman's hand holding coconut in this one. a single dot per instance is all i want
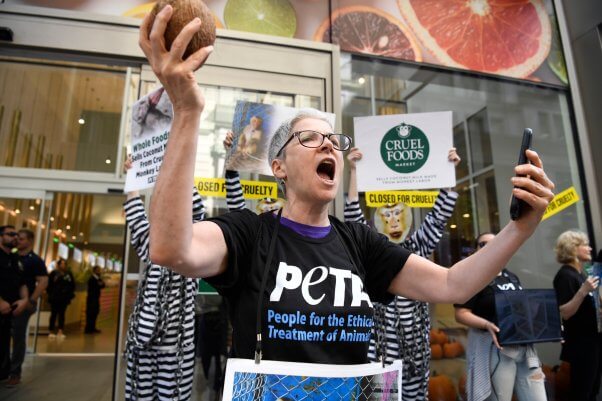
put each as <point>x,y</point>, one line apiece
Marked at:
<point>174,60</point>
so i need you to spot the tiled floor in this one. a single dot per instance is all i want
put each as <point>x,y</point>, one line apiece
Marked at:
<point>79,378</point>
<point>63,378</point>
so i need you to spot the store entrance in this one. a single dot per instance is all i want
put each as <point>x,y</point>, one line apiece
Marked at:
<point>86,231</point>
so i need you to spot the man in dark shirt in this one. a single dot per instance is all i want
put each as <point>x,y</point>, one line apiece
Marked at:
<point>13,293</point>
<point>36,279</point>
<point>95,284</point>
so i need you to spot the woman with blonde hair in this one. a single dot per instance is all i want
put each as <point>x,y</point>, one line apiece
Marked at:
<point>582,347</point>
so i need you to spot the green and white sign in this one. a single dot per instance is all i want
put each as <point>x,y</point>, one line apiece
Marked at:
<point>405,151</point>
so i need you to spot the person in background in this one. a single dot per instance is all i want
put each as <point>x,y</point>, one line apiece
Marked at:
<point>582,346</point>
<point>160,338</point>
<point>403,328</point>
<point>36,279</point>
<point>95,285</point>
<point>13,292</point>
<point>61,290</point>
<point>495,372</point>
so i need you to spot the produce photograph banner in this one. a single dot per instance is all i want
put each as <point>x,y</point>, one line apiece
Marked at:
<point>404,151</point>
<point>274,380</point>
<point>513,38</point>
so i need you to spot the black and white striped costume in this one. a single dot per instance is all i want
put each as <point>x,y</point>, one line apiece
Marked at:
<point>405,324</point>
<point>160,339</point>
<point>234,197</point>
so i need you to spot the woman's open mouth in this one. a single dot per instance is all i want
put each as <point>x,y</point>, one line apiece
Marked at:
<point>326,170</point>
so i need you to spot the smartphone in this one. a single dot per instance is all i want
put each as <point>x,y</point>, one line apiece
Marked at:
<point>517,205</point>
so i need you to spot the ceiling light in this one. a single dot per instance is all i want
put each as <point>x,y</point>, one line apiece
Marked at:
<point>466,215</point>
<point>453,226</point>
<point>32,207</point>
<point>17,211</point>
<point>81,121</point>
<point>361,80</point>
<point>108,160</point>
<point>68,227</point>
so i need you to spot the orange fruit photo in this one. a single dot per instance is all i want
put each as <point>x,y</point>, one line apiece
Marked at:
<point>506,37</point>
<point>364,29</point>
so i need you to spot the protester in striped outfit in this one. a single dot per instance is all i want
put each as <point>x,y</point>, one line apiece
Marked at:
<point>160,339</point>
<point>402,327</point>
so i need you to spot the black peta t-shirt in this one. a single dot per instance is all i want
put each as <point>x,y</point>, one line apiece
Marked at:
<point>317,307</point>
<point>483,304</point>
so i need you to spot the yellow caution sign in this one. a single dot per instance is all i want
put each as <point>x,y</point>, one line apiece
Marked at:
<point>250,189</point>
<point>561,201</point>
<point>211,186</point>
<point>410,198</point>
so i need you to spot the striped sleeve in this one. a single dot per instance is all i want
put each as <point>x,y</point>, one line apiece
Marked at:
<point>234,197</point>
<point>199,212</point>
<point>425,239</point>
<point>137,222</point>
<point>353,213</point>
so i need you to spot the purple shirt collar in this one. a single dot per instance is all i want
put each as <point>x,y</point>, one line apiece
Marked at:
<point>305,230</point>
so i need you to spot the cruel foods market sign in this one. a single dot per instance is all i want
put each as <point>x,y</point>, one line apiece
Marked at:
<point>405,151</point>
<point>404,148</point>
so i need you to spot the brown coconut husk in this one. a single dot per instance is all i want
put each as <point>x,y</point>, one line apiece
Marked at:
<point>185,11</point>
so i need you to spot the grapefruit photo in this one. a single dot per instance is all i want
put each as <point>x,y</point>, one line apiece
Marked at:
<point>364,29</point>
<point>506,37</point>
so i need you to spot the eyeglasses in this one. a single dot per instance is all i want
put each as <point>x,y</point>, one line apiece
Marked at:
<point>482,244</point>
<point>315,139</point>
<point>11,234</point>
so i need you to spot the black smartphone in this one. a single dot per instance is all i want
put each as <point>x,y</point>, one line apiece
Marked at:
<point>517,205</point>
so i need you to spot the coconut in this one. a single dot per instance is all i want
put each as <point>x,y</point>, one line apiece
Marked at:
<point>185,11</point>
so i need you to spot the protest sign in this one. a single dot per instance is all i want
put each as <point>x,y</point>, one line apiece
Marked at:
<point>276,380</point>
<point>405,151</point>
<point>151,121</point>
<point>253,125</point>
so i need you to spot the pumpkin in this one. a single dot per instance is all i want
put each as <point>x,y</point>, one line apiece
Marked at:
<point>453,349</point>
<point>185,11</point>
<point>557,381</point>
<point>438,336</point>
<point>441,388</point>
<point>562,381</point>
<point>436,351</point>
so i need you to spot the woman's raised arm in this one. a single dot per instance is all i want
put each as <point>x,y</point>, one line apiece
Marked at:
<point>423,280</point>
<point>198,250</point>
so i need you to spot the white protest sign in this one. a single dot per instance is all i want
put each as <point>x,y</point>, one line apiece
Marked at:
<point>63,251</point>
<point>253,125</point>
<point>77,255</point>
<point>405,151</point>
<point>151,121</point>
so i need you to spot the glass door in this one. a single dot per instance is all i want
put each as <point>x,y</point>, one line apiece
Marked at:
<point>27,209</point>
